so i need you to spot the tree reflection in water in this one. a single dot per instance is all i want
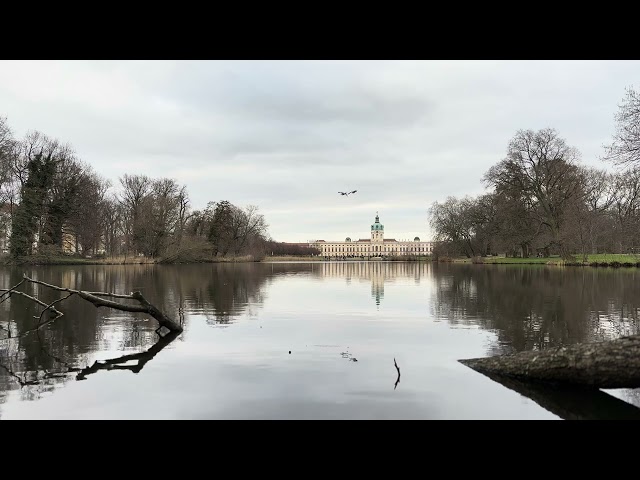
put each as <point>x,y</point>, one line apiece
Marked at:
<point>526,307</point>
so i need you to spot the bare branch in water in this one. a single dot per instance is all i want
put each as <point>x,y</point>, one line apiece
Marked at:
<point>144,307</point>
<point>9,291</point>
<point>94,298</point>
<point>16,292</point>
<point>51,305</point>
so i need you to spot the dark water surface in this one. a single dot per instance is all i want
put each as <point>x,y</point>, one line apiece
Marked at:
<point>241,320</point>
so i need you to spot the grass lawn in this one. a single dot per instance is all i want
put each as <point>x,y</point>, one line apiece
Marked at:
<point>556,260</point>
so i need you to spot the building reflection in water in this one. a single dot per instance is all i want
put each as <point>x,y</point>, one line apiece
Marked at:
<point>376,272</point>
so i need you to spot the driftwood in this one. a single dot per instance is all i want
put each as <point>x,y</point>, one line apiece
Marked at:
<point>570,402</point>
<point>96,299</point>
<point>609,364</point>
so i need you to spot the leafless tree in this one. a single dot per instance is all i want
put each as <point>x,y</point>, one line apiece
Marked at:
<point>7,150</point>
<point>543,168</point>
<point>599,196</point>
<point>452,221</point>
<point>199,221</point>
<point>625,149</point>
<point>87,223</point>
<point>247,224</point>
<point>113,225</point>
<point>626,208</point>
<point>134,190</point>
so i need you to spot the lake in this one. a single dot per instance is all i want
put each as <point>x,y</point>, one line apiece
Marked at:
<point>314,340</point>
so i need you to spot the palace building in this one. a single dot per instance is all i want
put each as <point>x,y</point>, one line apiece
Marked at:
<point>376,246</point>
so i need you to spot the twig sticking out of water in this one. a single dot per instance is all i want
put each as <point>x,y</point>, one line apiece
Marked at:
<point>398,380</point>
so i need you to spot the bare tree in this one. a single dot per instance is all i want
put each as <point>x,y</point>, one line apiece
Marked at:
<point>183,213</point>
<point>113,225</point>
<point>248,225</point>
<point>199,222</point>
<point>7,150</point>
<point>543,169</point>
<point>519,229</point>
<point>87,221</point>
<point>625,149</point>
<point>221,227</point>
<point>626,208</point>
<point>135,189</point>
<point>599,196</point>
<point>452,222</point>
<point>166,198</point>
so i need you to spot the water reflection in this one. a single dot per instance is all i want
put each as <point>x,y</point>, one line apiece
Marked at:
<point>378,273</point>
<point>119,363</point>
<point>523,307</point>
<point>533,308</point>
<point>571,403</point>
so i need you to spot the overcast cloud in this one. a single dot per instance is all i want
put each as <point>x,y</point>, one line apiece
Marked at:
<point>288,135</point>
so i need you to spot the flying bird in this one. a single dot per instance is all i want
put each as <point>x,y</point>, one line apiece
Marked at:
<point>347,193</point>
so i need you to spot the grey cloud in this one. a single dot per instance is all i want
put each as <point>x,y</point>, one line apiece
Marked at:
<point>289,135</point>
<point>307,93</point>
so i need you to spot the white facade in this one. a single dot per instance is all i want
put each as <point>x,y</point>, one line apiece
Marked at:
<point>376,246</point>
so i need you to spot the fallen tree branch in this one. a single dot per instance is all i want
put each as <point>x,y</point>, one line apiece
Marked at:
<point>398,380</point>
<point>36,328</point>
<point>49,309</point>
<point>105,294</point>
<point>22,294</point>
<point>172,329</point>
<point>609,364</point>
<point>97,301</point>
<point>94,298</point>
<point>8,292</point>
<point>55,314</point>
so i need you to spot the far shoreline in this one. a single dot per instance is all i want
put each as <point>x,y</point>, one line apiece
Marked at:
<point>604,261</point>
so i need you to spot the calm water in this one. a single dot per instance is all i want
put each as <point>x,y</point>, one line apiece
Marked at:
<point>242,320</point>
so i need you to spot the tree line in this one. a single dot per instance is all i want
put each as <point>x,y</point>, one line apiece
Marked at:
<point>542,200</point>
<point>52,202</point>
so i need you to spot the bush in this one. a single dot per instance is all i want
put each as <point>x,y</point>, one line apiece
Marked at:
<point>191,249</point>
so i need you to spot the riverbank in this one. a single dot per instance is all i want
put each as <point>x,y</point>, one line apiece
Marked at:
<point>129,260</point>
<point>593,260</point>
<point>291,258</point>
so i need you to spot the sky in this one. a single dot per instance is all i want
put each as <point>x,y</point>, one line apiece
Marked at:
<point>287,136</point>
